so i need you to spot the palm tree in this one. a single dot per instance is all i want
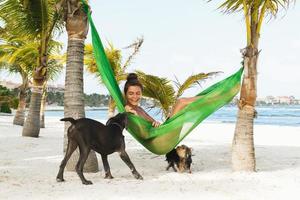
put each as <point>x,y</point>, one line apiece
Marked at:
<point>23,88</point>
<point>37,20</point>
<point>158,89</point>
<point>18,55</point>
<point>163,94</point>
<point>48,22</point>
<point>114,56</point>
<point>77,29</point>
<point>254,11</point>
<point>54,69</point>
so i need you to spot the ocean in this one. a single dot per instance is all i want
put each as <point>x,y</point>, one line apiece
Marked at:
<point>271,115</point>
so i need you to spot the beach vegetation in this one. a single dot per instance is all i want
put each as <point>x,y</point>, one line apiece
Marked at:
<point>117,64</point>
<point>254,14</point>
<point>164,94</point>
<point>160,90</point>
<point>7,100</point>
<point>38,21</point>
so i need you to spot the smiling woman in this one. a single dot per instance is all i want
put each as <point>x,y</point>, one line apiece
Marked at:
<point>133,94</point>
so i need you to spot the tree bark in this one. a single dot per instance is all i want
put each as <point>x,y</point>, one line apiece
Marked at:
<point>74,99</point>
<point>43,106</point>
<point>243,152</point>
<point>20,114</point>
<point>32,123</point>
<point>77,28</point>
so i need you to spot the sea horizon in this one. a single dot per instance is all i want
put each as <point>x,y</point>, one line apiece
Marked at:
<point>282,115</point>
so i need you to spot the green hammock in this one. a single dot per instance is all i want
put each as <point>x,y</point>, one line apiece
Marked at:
<point>164,138</point>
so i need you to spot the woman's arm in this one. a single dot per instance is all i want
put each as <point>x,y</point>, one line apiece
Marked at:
<point>149,118</point>
<point>131,110</point>
<point>141,112</point>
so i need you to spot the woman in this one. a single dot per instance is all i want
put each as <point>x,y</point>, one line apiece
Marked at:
<point>133,93</point>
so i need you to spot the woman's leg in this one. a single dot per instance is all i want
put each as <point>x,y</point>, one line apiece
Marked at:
<point>181,103</point>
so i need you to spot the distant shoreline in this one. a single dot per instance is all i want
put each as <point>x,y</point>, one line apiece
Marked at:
<point>60,108</point>
<point>55,108</point>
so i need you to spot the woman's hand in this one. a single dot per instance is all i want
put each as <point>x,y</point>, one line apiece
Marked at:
<point>155,124</point>
<point>130,109</point>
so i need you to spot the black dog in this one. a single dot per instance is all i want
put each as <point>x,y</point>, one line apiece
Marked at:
<point>181,157</point>
<point>172,158</point>
<point>105,139</point>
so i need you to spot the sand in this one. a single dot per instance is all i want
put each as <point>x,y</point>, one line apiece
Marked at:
<point>28,167</point>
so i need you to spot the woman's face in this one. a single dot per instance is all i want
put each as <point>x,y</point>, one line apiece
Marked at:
<point>133,95</point>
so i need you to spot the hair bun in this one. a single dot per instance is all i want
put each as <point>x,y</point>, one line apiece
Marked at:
<point>132,77</point>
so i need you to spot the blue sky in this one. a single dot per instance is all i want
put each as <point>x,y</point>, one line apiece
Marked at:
<point>187,37</point>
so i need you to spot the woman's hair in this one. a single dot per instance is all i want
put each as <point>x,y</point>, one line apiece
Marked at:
<point>132,80</point>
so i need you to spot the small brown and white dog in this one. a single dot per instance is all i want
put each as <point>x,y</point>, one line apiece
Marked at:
<point>181,157</point>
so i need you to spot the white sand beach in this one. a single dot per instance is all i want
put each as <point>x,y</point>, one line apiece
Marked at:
<point>28,167</point>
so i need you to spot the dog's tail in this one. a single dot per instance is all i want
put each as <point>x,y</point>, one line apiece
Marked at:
<point>69,119</point>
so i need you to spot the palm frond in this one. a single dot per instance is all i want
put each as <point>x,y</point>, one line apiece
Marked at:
<point>54,47</point>
<point>192,81</point>
<point>36,18</point>
<point>136,45</point>
<point>54,69</point>
<point>158,89</point>
<point>114,57</point>
<point>121,77</point>
<point>272,6</point>
<point>90,62</point>
<point>27,52</point>
<point>56,21</point>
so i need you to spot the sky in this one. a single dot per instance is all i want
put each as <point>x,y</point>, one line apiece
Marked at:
<point>182,38</point>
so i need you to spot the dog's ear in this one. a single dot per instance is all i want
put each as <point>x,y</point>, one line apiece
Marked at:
<point>115,118</point>
<point>184,146</point>
<point>120,118</point>
<point>109,121</point>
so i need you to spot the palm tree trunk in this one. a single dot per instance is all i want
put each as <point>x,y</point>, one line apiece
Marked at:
<point>43,106</point>
<point>111,107</point>
<point>74,99</point>
<point>20,114</point>
<point>77,28</point>
<point>32,123</point>
<point>243,153</point>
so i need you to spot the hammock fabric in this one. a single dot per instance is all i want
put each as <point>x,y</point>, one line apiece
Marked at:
<point>164,138</point>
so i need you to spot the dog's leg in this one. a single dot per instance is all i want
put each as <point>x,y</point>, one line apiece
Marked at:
<point>180,166</point>
<point>173,166</point>
<point>126,159</point>
<point>169,165</point>
<point>106,167</point>
<point>189,168</point>
<point>84,153</point>
<point>72,145</point>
